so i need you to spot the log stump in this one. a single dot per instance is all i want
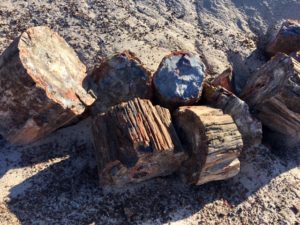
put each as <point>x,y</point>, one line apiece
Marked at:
<point>179,79</point>
<point>287,39</point>
<point>119,79</point>
<point>213,143</point>
<point>274,94</point>
<point>249,127</point>
<point>40,86</point>
<point>135,141</point>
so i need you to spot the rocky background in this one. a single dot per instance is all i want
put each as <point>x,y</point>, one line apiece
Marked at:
<point>50,182</point>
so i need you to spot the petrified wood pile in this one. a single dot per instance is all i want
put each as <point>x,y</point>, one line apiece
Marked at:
<point>149,124</point>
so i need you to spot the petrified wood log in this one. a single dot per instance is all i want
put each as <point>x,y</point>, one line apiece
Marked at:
<point>224,80</point>
<point>179,79</point>
<point>119,79</point>
<point>274,93</point>
<point>249,127</point>
<point>135,141</point>
<point>287,39</point>
<point>40,86</point>
<point>213,143</point>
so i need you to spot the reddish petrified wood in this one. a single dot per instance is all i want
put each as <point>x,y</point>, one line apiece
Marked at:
<point>274,93</point>
<point>287,39</point>
<point>213,142</point>
<point>224,80</point>
<point>249,127</point>
<point>40,86</point>
<point>120,78</point>
<point>179,79</point>
<point>135,141</point>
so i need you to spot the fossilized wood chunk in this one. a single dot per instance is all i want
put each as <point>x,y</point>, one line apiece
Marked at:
<point>287,39</point>
<point>249,127</point>
<point>224,80</point>
<point>40,86</point>
<point>274,93</point>
<point>179,79</point>
<point>135,141</point>
<point>119,79</point>
<point>213,143</point>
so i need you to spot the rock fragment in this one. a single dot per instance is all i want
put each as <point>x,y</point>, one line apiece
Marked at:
<point>213,143</point>
<point>119,79</point>
<point>224,80</point>
<point>40,86</point>
<point>135,141</point>
<point>179,79</point>
<point>287,39</point>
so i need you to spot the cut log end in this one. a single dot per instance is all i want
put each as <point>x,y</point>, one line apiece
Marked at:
<point>135,141</point>
<point>40,86</point>
<point>179,79</point>
<point>213,143</point>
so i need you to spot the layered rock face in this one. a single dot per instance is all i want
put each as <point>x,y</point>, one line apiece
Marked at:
<point>40,86</point>
<point>213,143</point>
<point>287,39</point>
<point>119,79</point>
<point>135,141</point>
<point>179,79</point>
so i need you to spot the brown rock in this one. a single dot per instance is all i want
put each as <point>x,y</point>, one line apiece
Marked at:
<point>274,93</point>
<point>213,142</point>
<point>119,79</point>
<point>179,79</point>
<point>135,141</point>
<point>249,127</point>
<point>40,86</point>
<point>287,39</point>
<point>224,80</point>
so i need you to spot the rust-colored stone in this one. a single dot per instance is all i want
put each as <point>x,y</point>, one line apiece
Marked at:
<point>224,80</point>
<point>40,86</point>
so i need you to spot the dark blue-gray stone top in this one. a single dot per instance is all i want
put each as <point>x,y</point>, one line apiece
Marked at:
<point>179,79</point>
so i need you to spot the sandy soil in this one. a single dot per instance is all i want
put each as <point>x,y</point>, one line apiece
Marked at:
<point>54,181</point>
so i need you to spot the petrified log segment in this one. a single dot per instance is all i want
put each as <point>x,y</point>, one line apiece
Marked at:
<point>40,86</point>
<point>213,143</point>
<point>135,141</point>
<point>249,127</point>
<point>274,93</point>
<point>179,79</point>
<point>224,80</point>
<point>287,39</point>
<point>119,79</point>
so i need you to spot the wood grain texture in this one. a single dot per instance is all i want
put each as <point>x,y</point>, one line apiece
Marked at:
<point>249,127</point>
<point>40,86</point>
<point>135,141</point>
<point>274,93</point>
<point>213,143</point>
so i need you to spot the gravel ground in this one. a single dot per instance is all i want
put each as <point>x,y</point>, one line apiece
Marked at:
<point>54,181</point>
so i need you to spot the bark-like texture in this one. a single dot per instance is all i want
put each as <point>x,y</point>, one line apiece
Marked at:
<point>119,79</point>
<point>179,79</point>
<point>213,142</point>
<point>40,86</point>
<point>287,39</point>
<point>249,127</point>
<point>224,80</point>
<point>274,93</point>
<point>135,141</point>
